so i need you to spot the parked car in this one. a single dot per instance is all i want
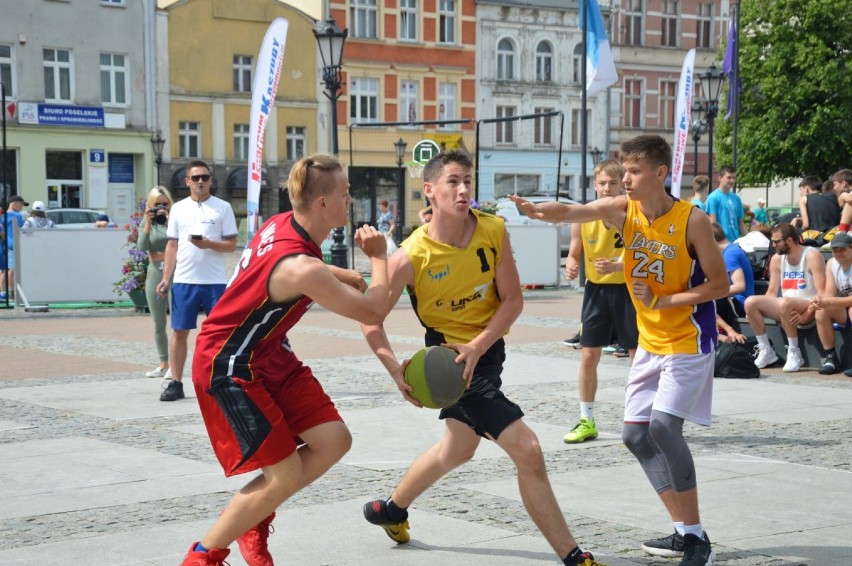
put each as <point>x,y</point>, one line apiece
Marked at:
<point>75,217</point>
<point>509,211</point>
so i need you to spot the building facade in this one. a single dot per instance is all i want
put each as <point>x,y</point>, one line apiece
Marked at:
<point>79,102</point>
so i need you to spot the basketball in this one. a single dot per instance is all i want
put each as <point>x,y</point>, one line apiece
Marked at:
<point>435,377</point>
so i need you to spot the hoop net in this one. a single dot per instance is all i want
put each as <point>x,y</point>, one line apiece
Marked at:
<point>415,169</point>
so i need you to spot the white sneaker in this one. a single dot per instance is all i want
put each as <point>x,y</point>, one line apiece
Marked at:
<point>157,372</point>
<point>765,356</point>
<point>794,360</point>
<point>168,375</point>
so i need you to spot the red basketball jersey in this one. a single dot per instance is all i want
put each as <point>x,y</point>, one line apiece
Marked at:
<point>245,335</point>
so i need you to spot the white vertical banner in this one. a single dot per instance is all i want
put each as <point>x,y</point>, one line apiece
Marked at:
<point>683,113</point>
<point>270,61</point>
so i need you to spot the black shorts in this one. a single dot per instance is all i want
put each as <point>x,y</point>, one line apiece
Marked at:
<point>730,309</point>
<point>483,407</point>
<point>608,308</point>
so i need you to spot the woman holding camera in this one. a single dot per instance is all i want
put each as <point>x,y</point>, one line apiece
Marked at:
<point>152,239</point>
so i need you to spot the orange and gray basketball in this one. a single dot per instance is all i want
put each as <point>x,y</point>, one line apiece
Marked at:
<point>435,377</point>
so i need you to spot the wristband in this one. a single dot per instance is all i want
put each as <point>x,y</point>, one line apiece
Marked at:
<point>653,302</point>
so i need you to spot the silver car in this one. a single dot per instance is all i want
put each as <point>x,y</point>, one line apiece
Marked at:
<point>74,217</point>
<point>509,211</point>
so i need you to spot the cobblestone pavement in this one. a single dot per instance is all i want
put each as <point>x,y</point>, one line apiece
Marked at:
<point>114,345</point>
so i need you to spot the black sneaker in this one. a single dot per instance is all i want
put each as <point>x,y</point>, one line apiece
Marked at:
<point>376,512</point>
<point>574,341</point>
<point>620,352</point>
<point>697,551</point>
<point>669,547</point>
<point>848,372</point>
<point>830,365</point>
<point>173,392</point>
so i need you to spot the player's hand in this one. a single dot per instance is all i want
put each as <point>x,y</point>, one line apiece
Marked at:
<point>526,207</point>
<point>572,269</point>
<point>642,292</point>
<point>604,265</point>
<point>404,388</point>
<point>371,241</point>
<point>469,356</point>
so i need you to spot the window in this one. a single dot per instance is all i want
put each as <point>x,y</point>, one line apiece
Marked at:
<point>447,103</point>
<point>543,127</point>
<point>242,73</point>
<point>633,103</point>
<point>362,18</point>
<point>543,62</point>
<point>704,26</point>
<point>505,60</point>
<point>114,79</point>
<point>57,75</point>
<point>188,139</point>
<point>297,142</point>
<point>668,103</point>
<point>408,20</point>
<point>512,184</point>
<point>632,22</point>
<point>364,100</point>
<point>112,2</point>
<point>408,101</point>
<point>447,21</point>
<point>670,16</point>
<point>505,130</point>
<point>577,64</point>
<point>7,64</point>
<point>241,142</point>
<point>577,125</point>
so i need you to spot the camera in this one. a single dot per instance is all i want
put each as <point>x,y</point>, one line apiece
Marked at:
<point>160,214</point>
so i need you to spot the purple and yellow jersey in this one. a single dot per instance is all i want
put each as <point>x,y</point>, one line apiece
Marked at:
<point>656,253</point>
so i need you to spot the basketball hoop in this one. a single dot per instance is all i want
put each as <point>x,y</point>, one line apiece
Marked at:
<point>415,169</point>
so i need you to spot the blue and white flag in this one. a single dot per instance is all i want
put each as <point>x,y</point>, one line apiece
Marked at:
<point>683,109</point>
<point>270,60</point>
<point>600,66</point>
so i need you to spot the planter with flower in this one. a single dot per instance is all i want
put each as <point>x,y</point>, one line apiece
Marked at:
<point>135,266</point>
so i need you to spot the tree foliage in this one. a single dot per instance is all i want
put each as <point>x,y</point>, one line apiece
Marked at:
<point>796,105</point>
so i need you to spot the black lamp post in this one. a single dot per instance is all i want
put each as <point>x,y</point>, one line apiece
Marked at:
<point>157,142</point>
<point>330,40</point>
<point>399,146</point>
<point>711,86</point>
<point>596,155</point>
<point>699,126</point>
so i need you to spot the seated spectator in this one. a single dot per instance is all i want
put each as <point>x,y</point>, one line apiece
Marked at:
<point>103,221</point>
<point>740,278</point>
<point>799,273</point>
<point>37,218</point>
<point>819,211</point>
<point>842,181</point>
<point>834,305</point>
<point>727,335</point>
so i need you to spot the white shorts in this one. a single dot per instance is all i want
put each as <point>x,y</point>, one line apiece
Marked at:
<point>677,384</point>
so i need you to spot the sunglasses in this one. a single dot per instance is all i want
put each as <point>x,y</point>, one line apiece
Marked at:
<point>778,240</point>
<point>196,178</point>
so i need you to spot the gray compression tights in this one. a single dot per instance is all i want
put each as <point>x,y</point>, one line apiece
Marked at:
<point>662,452</point>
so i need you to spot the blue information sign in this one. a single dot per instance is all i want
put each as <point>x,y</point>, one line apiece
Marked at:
<point>120,168</point>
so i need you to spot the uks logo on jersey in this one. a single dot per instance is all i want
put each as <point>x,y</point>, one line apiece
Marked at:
<point>640,242</point>
<point>437,276</point>
<point>479,294</point>
<point>794,280</point>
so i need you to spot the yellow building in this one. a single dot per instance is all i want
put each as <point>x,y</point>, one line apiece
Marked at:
<point>207,56</point>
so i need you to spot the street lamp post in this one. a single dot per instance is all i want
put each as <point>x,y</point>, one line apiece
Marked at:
<point>157,142</point>
<point>399,146</point>
<point>711,86</point>
<point>698,127</point>
<point>330,40</point>
<point>596,155</point>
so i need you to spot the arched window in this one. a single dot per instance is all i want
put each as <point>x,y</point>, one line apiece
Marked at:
<point>505,60</point>
<point>543,62</point>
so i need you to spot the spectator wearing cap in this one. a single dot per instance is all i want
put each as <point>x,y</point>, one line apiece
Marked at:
<point>102,221</point>
<point>37,217</point>
<point>12,217</point>
<point>760,216</point>
<point>834,305</point>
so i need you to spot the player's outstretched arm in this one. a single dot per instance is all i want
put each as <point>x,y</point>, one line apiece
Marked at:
<point>612,210</point>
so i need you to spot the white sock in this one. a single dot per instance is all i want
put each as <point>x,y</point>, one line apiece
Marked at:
<point>587,410</point>
<point>793,343</point>
<point>763,340</point>
<point>679,527</point>
<point>693,530</point>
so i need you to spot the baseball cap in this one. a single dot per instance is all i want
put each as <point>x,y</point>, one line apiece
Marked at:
<point>102,218</point>
<point>38,205</point>
<point>18,198</point>
<point>841,240</point>
<point>761,201</point>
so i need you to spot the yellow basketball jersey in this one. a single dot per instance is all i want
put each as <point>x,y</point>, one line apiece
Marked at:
<point>656,253</point>
<point>600,241</point>
<point>454,292</point>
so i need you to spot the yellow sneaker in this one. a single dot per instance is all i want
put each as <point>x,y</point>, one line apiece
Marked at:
<point>376,513</point>
<point>585,430</point>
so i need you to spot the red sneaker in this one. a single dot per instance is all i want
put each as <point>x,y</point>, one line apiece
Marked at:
<point>253,543</point>
<point>213,557</point>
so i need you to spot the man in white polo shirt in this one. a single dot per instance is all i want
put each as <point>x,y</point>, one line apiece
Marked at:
<point>202,229</point>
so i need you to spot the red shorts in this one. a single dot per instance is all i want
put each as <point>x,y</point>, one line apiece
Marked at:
<point>257,423</point>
